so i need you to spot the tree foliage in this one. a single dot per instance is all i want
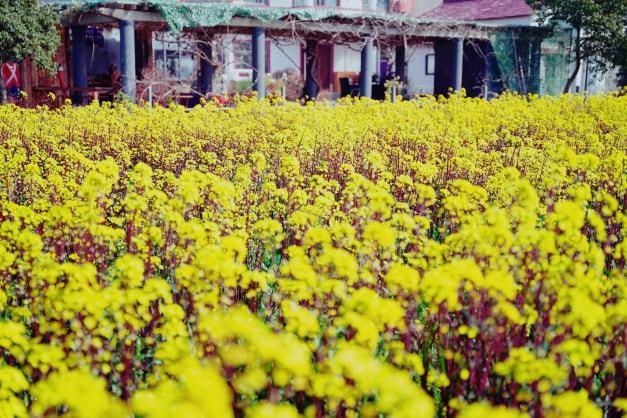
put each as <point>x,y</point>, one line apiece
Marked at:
<point>28,30</point>
<point>599,27</point>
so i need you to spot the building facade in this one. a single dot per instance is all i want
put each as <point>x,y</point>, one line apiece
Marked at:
<point>162,51</point>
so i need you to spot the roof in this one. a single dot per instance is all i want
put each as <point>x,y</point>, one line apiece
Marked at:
<point>189,14</point>
<point>479,10</point>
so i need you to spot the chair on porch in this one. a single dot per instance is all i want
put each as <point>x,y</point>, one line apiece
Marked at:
<point>378,91</point>
<point>348,89</point>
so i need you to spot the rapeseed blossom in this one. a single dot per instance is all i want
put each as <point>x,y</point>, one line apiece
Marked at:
<point>437,257</point>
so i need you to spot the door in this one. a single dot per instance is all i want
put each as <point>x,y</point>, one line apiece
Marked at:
<point>324,55</point>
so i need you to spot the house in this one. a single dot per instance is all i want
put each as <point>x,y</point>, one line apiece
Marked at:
<point>189,48</point>
<point>549,55</point>
<point>480,60</point>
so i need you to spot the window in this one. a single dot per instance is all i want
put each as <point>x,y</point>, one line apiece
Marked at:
<point>317,3</point>
<point>383,5</point>
<point>173,56</point>
<point>430,64</point>
<point>243,54</point>
<point>326,3</point>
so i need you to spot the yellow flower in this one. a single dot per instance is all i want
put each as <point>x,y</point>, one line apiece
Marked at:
<point>571,405</point>
<point>268,410</point>
<point>482,410</point>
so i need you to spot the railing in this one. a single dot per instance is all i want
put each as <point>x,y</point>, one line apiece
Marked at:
<point>42,94</point>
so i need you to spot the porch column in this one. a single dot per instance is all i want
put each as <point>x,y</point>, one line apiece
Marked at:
<point>127,58</point>
<point>458,63</point>
<point>311,88</point>
<point>401,64</point>
<point>205,83</point>
<point>79,61</point>
<point>259,62</point>
<point>365,75</point>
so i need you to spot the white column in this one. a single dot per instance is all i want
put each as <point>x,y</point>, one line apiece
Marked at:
<point>127,58</point>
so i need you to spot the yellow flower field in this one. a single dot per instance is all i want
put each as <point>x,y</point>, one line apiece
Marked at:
<point>416,259</point>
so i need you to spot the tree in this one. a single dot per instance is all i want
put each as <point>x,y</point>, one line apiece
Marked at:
<point>599,28</point>
<point>28,29</point>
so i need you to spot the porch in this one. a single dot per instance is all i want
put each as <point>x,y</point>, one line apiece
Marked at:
<point>461,54</point>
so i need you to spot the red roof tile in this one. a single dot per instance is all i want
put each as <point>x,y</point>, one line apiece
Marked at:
<point>479,10</point>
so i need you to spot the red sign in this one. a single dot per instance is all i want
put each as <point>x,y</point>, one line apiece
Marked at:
<point>10,75</point>
<point>402,6</point>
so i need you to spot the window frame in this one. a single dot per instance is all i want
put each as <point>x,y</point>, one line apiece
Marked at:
<point>172,49</point>
<point>429,58</point>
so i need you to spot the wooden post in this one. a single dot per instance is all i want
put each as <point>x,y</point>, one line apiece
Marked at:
<point>535,63</point>
<point>27,78</point>
<point>311,88</point>
<point>143,48</point>
<point>206,69</point>
<point>401,64</point>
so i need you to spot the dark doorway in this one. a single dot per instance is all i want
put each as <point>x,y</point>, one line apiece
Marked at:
<point>324,60</point>
<point>474,73</point>
<point>476,68</point>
